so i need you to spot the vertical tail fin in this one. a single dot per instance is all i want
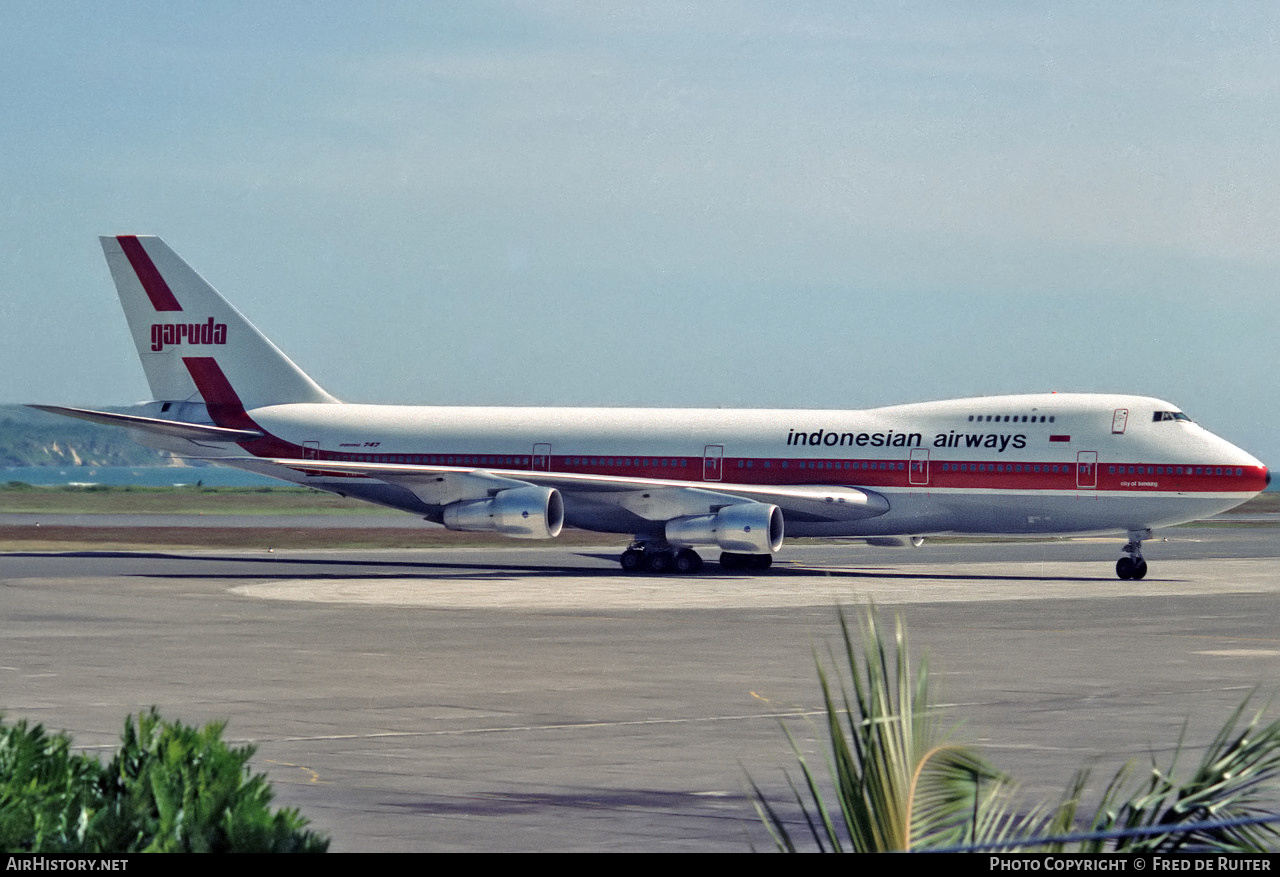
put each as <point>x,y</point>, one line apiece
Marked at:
<point>179,323</point>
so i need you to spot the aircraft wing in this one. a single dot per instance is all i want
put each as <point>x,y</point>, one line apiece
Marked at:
<point>652,498</point>
<point>172,428</point>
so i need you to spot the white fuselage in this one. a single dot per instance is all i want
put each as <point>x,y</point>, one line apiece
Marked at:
<point>1048,463</point>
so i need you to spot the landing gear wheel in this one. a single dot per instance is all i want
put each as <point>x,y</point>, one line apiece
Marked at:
<point>659,561</point>
<point>760,561</point>
<point>1131,565</point>
<point>687,561</point>
<point>632,559</point>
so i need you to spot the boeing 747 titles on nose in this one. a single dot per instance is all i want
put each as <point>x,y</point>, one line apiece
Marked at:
<point>677,480</point>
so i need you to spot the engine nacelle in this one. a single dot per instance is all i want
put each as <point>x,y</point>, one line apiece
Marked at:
<point>520,512</point>
<point>745,528</point>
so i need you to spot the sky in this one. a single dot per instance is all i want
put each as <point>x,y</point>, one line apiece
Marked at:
<point>773,205</point>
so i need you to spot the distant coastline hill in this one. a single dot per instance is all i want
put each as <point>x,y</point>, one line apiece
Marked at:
<point>36,438</point>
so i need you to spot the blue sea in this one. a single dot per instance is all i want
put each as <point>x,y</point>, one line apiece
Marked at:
<point>136,476</point>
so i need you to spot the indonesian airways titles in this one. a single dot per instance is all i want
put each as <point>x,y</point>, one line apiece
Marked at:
<point>891,439</point>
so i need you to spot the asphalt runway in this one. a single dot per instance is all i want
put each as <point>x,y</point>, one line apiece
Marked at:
<point>534,698</point>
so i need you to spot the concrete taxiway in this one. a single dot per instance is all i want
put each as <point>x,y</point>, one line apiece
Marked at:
<point>538,699</point>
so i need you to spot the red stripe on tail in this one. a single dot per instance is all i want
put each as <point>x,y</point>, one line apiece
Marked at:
<point>162,298</point>
<point>220,397</point>
<point>226,409</point>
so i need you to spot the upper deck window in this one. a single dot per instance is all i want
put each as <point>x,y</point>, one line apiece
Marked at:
<point>1034,418</point>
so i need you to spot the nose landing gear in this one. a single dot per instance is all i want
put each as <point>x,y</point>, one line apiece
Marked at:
<point>1132,566</point>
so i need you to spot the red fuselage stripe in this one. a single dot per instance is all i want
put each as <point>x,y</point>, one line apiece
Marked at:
<point>1030,476</point>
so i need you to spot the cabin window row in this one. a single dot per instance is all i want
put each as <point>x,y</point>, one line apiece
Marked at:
<point>861,465</point>
<point>1037,468</point>
<point>643,462</point>
<point>877,465</point>
<point>1175,470</point>
<point>1010,418</point>
<point>436,460</point>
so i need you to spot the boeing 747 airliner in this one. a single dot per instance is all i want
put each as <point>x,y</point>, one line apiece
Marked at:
<point>674,478</point>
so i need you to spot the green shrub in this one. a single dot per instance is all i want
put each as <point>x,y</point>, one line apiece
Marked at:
<point>47,794</point>
<point>170,788</point>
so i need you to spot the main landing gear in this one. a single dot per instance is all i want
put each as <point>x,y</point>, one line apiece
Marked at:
<point>660,558</point>
<point>641,556</point>
<point>1132,566</point>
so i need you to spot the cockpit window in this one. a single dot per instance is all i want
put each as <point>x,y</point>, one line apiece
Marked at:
<point>1170,415</point>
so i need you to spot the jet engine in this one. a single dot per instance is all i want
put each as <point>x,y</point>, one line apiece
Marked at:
<point>520,512</point>
<point>745,528</point>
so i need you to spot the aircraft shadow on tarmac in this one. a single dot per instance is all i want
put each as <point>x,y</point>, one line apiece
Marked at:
<point>479,570</point>
<point>594,800</point>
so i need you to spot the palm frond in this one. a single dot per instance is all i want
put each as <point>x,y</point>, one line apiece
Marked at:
<point>1234,779</point>
<point>898,780</point>
<point>902,784</point>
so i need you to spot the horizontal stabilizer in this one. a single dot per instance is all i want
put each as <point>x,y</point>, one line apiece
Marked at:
<point>174,428</point>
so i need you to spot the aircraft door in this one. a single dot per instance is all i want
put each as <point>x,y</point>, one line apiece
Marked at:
<point>541,457</point>
<point>1087,469</point>
<point>713,463</point>
<point>1119,420</point>
<point>918,470</point>
<point>311,451</point>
